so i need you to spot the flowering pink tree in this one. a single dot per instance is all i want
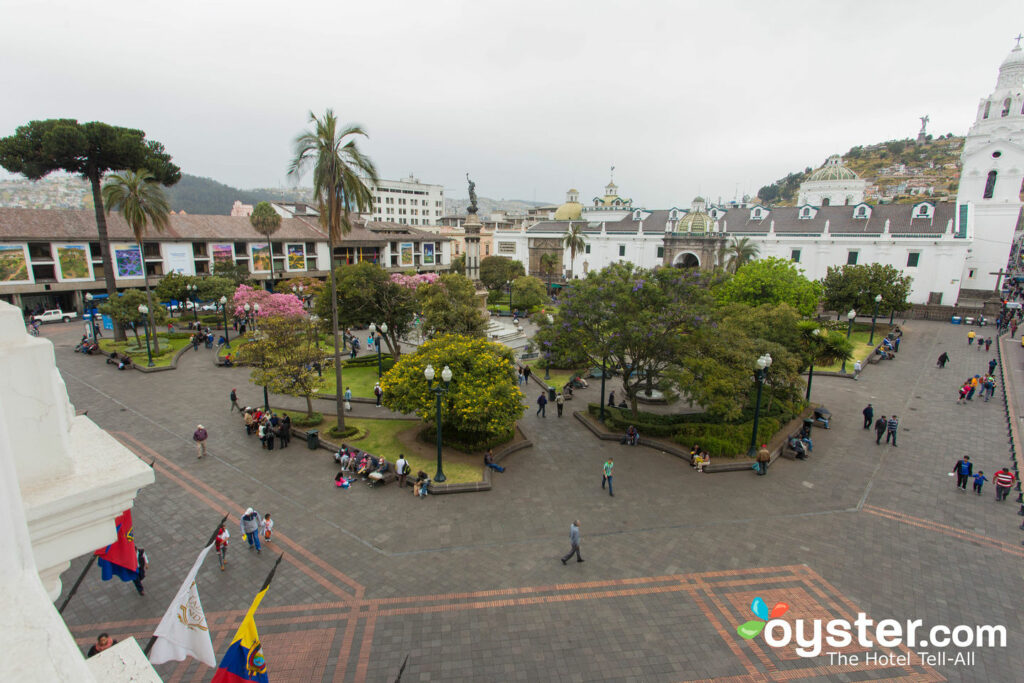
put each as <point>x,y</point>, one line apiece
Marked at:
<point>287,305</point>
<point>414,281</point>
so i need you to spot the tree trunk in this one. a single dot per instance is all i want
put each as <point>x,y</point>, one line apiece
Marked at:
<point>149,302</point>
<point>338,394</point>
<point>270,249</point>
<point>108,263</point>
<point>309,406</point>
<point>138,342</point>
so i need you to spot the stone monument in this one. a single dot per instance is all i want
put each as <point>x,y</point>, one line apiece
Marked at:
<point>472,228</point>
<point>922,135</point>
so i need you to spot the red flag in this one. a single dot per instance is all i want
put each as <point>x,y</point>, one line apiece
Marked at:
<point>122,551</point>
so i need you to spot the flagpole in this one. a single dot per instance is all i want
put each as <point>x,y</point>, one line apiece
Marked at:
<point>149,645</point>
<point>270,576</point>
<point>74,589</point>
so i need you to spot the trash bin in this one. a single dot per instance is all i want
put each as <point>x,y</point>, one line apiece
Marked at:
<point>551,393</point>
<point>313,439</point>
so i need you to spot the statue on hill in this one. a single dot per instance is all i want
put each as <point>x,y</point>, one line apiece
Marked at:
<point>924,123</point>
<point>473,208</point>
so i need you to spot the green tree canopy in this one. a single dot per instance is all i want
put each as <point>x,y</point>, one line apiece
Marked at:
<point>482,398</point>
<point>449,306</point>
<point>90,150</point>
<point>173,286</point>
<point>282,357</point>
<point>528,292</point>
<point>771,281</point>
<point>215,287</point>
<point>238,273</point>
<point>124,309</point>
<point>367,295</point>
<point>495,271</point>
<point>856,286</point>
<point>458,265</point>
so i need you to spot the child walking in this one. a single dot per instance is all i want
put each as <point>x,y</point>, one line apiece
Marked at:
<point>979,481</point>
<point>221,545</point>
<point>268,527</point>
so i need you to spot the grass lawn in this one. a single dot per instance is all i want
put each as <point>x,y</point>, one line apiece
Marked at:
<point>558,377</point>
<point>392,437</point>
<point>861,350</point>
<point>138,353</point>
<point>359,379</point>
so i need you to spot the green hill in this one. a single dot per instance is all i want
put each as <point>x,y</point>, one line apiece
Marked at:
<point>206,196</point>
<point>896,171</point>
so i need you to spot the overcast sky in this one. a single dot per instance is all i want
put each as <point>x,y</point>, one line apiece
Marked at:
<point>530,97</point>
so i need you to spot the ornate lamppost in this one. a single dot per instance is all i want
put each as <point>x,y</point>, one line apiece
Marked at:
<point>224,308</point>
<point>763,363</point>
<point>439,390</point>
<point>194,298</point>
<point>851,316</point>
<point>92,316</point>
<point>874,316</point>
<point>376,342</point>
<point>144,310</point>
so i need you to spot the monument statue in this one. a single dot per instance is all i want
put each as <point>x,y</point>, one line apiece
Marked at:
<point>473,208</point>
<point>924,122</point>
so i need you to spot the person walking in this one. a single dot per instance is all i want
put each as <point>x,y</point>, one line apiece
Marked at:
<point>890,429</point>
<point>869,413</point>
<point>1013,329</point>
<point>378,393</point>
<point>1003,480</point>
<point>880,425</point>
<point>574,542</point>
<point>520,377</point>
<point>200,436</point>
<point>992,365</point>
<point>542,402</point>
<point>526,374</point>
<point>979,481</point>
<point>234,401</point>
<point>988,343</point>
<point>943,359</point>
<point>268,528</point>
<point>970,337</point>
<point>250,524</point>
<point>220,545</point>
<point>348,399</point>
<point>609,465</point>
<point>402,469</point>
<point>611,398</point>
<point>764,456</point>
<point>963,470</point>
<point>559,403</point>
<point>143,560</point>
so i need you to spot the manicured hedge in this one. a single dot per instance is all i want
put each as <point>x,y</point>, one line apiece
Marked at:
<point>467,442</point>
<point>345,433</point>
<point>302,421</point>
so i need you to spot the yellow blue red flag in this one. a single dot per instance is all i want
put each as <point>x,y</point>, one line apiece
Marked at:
<point>243,660</point>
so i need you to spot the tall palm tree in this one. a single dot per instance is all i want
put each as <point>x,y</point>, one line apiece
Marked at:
<point>266,221</point>
<point>740,251</point>
<point>574,242</point>
<point>338,171</point>
<point>821,347</point>
<point>549,264</point>
<point>141,201</point>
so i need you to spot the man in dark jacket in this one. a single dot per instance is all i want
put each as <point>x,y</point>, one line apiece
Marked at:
<point>880,424</point>
<point>963,470</point>
<point>869,413</point>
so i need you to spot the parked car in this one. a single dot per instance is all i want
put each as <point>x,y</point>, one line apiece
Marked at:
<point>210,306</point>
<point>55,315</point>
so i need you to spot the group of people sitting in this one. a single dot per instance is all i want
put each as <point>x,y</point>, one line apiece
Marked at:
<point>699,458</point>
<point>367,467</point>
<point>801,443</point>
<point>631,437</point>
<point>87,346</point>
<point>122,361</point>
<point>269,426</point>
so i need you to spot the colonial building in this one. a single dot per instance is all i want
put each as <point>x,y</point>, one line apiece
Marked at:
<point>949,249</point>
<point>52,258</point>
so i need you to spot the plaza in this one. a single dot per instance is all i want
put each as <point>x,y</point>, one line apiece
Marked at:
<point>469,587</point>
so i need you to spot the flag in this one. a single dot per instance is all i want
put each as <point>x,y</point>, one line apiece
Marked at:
<point>183,631</point>
<point>119,558</point>
<point>244,659</point>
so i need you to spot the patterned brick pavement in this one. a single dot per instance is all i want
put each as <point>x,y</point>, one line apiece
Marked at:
<point>468,587</point>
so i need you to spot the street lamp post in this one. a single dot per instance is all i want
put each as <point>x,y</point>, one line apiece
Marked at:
<point>509,283</point>
<point>604,361</point>
<point>763,363</point>
<point>874,316</point>
<point>92,316</point>
<point>224,307</point>
<point>810,373</point>
<point>144,310</point>
<point>248,320</point>
<point>547,355</point>
<point>376,342</point>
<point>255,317</point>
<point>192,289</point>
<point>314,321</point>
<point>297,290</point>
<point>851,316</point>
<point>439,390</point>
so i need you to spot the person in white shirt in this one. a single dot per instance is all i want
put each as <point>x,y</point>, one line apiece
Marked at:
<point>400,469</point>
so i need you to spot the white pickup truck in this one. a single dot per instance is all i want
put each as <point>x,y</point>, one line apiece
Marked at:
<point>55,315</point>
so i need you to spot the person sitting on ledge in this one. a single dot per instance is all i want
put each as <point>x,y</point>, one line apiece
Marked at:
<point>227,361</point>
<point>422,484</point>
<point>364,465</point>
<point>489,462</point>
<point>632,436</point>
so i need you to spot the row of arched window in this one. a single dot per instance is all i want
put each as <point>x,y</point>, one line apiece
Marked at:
<point>1007,103</point>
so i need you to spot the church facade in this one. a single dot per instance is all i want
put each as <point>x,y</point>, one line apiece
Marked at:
<point>949,249</point>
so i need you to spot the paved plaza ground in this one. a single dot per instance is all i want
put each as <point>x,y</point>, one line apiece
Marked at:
<point>470,588</point>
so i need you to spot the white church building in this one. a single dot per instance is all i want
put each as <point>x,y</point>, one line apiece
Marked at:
<point>949,249</point>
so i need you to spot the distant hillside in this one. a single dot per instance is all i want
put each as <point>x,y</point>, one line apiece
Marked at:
<point>206,196</point>
<point>896,171</point>
<point>488,206</point>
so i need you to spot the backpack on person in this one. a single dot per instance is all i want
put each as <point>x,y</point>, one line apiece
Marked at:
<point>406,468</point>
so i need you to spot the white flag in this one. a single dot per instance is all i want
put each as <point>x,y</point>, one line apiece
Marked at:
<point>183,631</point>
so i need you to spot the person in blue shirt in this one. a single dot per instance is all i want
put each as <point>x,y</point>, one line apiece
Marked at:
<point>963,470</point>
<point>979,481</point>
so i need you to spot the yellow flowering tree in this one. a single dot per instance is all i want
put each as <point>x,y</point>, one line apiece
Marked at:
<point>482,399</point>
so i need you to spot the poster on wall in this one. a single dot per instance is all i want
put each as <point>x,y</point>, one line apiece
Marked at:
<point>178,259</point>
<point>13,264</point>
<point>127,260</point>
<point>405,254</point>
<point>74,262</point>
<point>260,257</point>
<point>427,258</point>
<point>222,253</point>
<point>296,257</point>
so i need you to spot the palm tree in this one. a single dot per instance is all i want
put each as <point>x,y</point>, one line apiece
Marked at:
<point>822,347</point>
<point>549,264</point>
<point>574,241</point>
<point>740,251</point>
<point>266,221</point>
<point>338,171</point>
<point>141,201</point>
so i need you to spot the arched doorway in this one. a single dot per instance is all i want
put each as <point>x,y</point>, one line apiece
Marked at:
<point>686,260</point>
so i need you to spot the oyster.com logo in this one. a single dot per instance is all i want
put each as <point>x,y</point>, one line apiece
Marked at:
<point>751,629</point>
